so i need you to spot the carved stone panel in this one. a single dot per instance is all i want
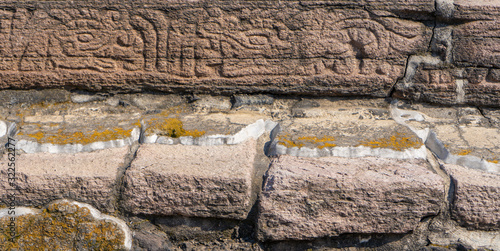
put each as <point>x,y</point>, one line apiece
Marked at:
<point>216,46</point>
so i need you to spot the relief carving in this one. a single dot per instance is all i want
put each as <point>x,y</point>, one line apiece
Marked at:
<point>208,42</point>
<point>97,40</point>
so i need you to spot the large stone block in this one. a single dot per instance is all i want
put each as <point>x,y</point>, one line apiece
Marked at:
<point>188,180</point>
<point>477,43</point>
<point>476,9</point>
<point>305,198</point>
<point>478,86</point>
<point>43,177</point>
<point>212,46</point>
<point>476,197</point>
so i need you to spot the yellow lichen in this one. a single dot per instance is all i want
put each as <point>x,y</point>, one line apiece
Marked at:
<point>396,142</point>
<point>38,136</point>
<point>327,145</point>
<point>464,152</point>
<point>301,141</point>
<point>61,226</point>
<point>62,137</point>
<point>171,127</point>
<point>493,161</point>
<point>289,143</point>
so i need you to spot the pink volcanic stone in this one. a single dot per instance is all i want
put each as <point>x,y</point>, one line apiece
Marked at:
<point>195,181</point>
<point>476,197</point>
<point>88,177</point>
<point>305,198</point>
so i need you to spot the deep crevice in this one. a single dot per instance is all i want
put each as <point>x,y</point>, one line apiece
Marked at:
<point>390,94</point>
<point>120,178</point>
<point>451,194</point>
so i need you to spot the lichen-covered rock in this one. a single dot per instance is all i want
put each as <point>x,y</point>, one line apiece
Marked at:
<point>324,127</point>
<point>63,225</point>
<point>43,177</point>
<point>476,197</point>
<point>188,180</point>
<point>305,198</point>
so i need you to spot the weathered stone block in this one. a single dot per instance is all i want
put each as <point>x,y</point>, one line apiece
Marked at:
<point>187,180</point>
<point>470,85</point>
<point>62,225</point>
<point>305,198</point>
<point>476,197</point>
<point>213,46</point>
<point>476,9</point>
<point>43,177</point>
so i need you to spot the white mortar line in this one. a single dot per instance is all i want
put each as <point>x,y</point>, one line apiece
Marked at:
<point>436,146</point>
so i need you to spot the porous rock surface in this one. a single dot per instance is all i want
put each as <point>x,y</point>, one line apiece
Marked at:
<point>196,181</point>
<point>63,225</point>
<point>213,46</point>
<point>194,195</point>
<point>465,64</point>
<point>476,197</point>
<point>42,177</point>
<point>305,198</point>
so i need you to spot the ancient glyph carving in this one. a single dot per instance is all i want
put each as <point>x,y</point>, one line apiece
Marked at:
<point>208,42</point>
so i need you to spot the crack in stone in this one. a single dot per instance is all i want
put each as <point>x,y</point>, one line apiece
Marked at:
<point>120,177</point>
<point>481,111</point>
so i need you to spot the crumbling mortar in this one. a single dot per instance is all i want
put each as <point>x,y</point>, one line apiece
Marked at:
<point>459,129</point>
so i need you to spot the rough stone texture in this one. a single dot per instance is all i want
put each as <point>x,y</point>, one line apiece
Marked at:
<point>336,127</point>
<point>466,136</point>
<point>477,44</point>
<point>476,9</point>
<point>43,125</point>
<point>476,198</point>
<point>63,225</point>
<point>349,48</point>
<point>467,71</point>
<point>43,177</point>
<point>306,198</point>
<point>198,181</point>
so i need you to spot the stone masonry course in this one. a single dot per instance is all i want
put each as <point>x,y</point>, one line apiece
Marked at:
<point>250,125</point>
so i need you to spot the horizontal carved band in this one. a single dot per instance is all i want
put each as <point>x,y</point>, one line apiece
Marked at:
<point>184,45</point>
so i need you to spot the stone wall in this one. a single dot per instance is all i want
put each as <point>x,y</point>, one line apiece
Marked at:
<point>434,51</point>
<point>250,125</point>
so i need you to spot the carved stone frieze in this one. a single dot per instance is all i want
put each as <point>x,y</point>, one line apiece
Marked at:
<point>192,46</point>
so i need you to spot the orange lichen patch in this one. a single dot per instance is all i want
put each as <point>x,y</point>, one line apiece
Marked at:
<point>464,152</point>
<point>61,226</point>
<point>289,143</point>
<point>301,141</point>
<point>493,161</point>
<point>137,123</point>
<point>327,145</point>
<point>174,110</point>
<point>171,127</point>
<point>396,142</point>
<point>38,136</point>
<point>81,138</point>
